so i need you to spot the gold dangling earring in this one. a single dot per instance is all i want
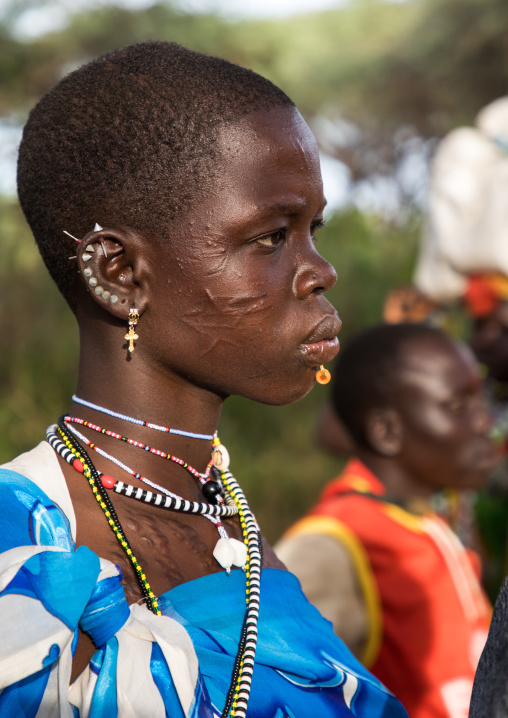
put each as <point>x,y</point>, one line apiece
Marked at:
<point>323,376</point>
<point>131,336</point>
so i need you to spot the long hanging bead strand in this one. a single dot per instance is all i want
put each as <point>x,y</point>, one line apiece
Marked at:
<point>239,691</point>
<point>107,507</point>
<point>238,695</point>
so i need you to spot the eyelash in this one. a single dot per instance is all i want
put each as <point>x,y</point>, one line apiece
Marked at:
<point>280,234</point>
<point>317,225</point>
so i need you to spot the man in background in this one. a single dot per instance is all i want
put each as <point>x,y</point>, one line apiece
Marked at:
<point>372,555</point>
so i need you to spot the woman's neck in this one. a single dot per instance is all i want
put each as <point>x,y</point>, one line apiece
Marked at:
<point>162,398</point>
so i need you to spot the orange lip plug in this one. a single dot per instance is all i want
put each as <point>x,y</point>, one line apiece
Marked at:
<point>323,376</point>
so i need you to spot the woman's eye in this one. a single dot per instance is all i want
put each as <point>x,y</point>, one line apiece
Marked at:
<point>316,225</point>
<point>272,240</point>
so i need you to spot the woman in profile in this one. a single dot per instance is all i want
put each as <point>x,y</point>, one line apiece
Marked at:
<point>174,199</point>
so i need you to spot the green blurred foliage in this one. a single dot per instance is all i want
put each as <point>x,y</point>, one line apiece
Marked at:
<point>38,357</point>
<point>431,64</point>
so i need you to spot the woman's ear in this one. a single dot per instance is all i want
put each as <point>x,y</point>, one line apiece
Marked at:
<point>384,431</point>
<point>112,267</point>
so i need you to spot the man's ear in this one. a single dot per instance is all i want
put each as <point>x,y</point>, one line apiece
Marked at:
<point>113,267</point>
<point>384,431</point>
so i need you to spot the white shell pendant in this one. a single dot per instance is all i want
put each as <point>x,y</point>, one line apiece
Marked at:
<point>224,553</point>
<point>240,553</point>
<point>220,457</point>
<point>230,552</point>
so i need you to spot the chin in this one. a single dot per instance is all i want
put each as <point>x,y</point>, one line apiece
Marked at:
<point>281,396</point>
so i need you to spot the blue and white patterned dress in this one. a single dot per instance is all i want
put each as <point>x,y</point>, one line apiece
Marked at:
<point>178,664</point>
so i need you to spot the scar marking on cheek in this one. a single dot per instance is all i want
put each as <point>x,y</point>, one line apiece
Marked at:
<point>223,317</point>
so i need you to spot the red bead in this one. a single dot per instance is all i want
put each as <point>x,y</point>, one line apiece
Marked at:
<point>76,464</point>
<point>108,481</point>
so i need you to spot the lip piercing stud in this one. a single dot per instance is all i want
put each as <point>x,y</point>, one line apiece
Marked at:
<point>323,376</point>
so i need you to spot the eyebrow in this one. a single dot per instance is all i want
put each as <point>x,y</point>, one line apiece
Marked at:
<point>291,207</point>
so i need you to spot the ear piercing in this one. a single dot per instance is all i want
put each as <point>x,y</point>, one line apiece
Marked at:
<point>323,376</point>
<point>99,291</point>
<point>131,335</point>
<point>72,236</point>
<point>90,248</point>
<point>86,257</point>
<point>98,228</point>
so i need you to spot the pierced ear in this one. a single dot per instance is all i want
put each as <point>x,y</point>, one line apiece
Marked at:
<point>112,266</point>
<point>384,431</point>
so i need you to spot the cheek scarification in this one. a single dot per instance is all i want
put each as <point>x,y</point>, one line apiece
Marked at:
<point>221,318</point>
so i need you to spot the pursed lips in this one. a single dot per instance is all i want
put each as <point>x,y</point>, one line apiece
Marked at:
<point>322,345</point>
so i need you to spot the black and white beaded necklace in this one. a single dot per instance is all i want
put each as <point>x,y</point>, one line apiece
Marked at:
<point>68,446</point>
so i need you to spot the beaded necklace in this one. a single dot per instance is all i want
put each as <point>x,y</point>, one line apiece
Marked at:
<point>228,552</point>
<point>202,477</point>
<point>71,450</point>
<point>141,422</point>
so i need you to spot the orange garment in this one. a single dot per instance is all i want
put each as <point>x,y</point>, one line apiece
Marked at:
<point>428,616</point>
<point>484,292</point>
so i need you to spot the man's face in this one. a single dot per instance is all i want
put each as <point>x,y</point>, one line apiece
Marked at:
<point>445,422</point>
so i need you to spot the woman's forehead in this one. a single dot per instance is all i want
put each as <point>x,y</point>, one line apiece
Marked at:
<point>271,156</point>
<point>278,130</point>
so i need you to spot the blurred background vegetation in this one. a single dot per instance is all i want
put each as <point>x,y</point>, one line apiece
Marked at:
<point>378,81</point>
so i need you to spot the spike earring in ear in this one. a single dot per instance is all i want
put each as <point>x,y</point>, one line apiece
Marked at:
<point>131,336</point>
<point>323,376</point>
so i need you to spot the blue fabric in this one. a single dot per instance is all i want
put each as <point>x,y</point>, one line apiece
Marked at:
<point>104,703</point>
<point>23,698</point>
<point>297,672</point>
<point>62,581</point>
<point>29,517</point>
<point>106,611</point>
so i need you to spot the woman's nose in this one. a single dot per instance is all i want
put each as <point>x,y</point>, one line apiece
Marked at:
<point>314,276</point>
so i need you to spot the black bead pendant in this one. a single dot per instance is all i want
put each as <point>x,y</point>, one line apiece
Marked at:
<point>211,490</point>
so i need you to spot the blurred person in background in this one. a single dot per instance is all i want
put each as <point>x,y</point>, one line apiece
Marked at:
<point>464,256</point>
<point>463,262</point>
<point>372,554</point>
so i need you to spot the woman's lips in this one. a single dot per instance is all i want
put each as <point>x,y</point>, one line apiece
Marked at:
<point>322,351</point>
<point>321,344</point>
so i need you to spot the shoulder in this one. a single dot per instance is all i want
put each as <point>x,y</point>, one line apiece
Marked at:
<point>36,506</point>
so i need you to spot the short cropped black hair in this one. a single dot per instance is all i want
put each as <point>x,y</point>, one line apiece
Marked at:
<point>367,372</point>
<point>129,140</point>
